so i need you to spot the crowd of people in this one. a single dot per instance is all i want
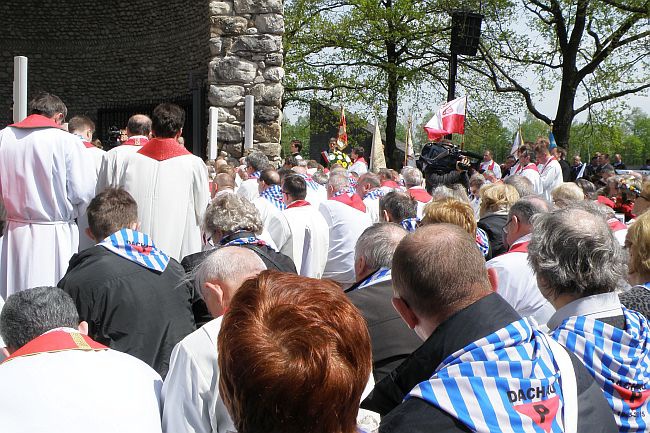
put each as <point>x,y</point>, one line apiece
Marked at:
<point>147,290</point>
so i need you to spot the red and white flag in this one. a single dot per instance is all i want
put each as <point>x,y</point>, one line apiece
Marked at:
<point>342,139</point>
<point>449,119</point>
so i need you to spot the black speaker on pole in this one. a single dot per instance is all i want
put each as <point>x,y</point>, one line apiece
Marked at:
<point>465,32</point>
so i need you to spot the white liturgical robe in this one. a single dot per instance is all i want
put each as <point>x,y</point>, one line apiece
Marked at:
<point>113,159</point>
<point>78,390</point>
<point>551,176</point>
<point>96,155</point>
<point>170,186</point>
<point>191,400</point>
<point>307,239</point>
<point>345,226</point>
<point>45,182</point>
<point>517,283</point>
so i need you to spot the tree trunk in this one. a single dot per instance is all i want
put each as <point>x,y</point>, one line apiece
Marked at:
<point>564,115</point>
<point>392,81</point>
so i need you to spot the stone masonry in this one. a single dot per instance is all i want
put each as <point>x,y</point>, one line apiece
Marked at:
<point>246,48</point>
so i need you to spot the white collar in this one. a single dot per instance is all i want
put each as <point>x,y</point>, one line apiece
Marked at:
<point>594,307</point>
<point>524,238</point>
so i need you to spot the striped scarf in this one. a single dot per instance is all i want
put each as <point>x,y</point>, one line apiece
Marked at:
<point>506,381</point>
<point>251,240</point>
<point>482,241</point>
<point>274,194</point>
<point>410,224</point>
<point>619,361</point>
<point>374,194</point>
<point>136,247</point>
<point>311,183</point>
<point>383,274</point>
<point>254,175</point>
<point>353,182</point>
<point>347,191</point>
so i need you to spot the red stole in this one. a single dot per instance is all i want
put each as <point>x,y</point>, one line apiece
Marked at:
<point>162,149</point>
<point>36,121</point>
<point>420,195</point>
<point>298,203</point>
<point>361,159</point>
<point>135,141</point>
<point>88,144</point>
<point>57,341</point>
<point>615,225</point>
<point>530,166</point>
<point>521,247</point>
<point>490,166</point>
<point>353,201</point>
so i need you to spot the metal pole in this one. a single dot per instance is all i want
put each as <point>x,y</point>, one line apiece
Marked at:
<point>249,102</point>
<point>20,88</point>
<point>451,83</point>
<point>212,133</point>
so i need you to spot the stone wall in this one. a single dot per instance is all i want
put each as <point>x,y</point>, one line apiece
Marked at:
<point>98,53</point>
<point>246,47</point>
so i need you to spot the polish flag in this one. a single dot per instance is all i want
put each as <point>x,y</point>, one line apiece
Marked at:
<point>342,139</point>
<point>450,119</point>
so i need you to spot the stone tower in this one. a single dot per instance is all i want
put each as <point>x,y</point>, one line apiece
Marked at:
<point>246,45</point>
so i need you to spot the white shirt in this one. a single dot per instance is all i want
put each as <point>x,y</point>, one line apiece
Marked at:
<point>534,177</point>
<point>372,209</point>
<point>492,166</point>
<point>46,181</point>
<point>345,226</point>
<point>249,189</point>
<point>191,400</point>
<point>79,391</point>
<point>172,196</point>
<point>307,241</point>
<point>359,167</point>
<point>517,284</point>
<point>594,307</point>
<point>551,176</point>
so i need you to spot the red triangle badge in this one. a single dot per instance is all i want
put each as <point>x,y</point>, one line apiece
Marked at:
<point>633,398</point>
<point>542,412</point>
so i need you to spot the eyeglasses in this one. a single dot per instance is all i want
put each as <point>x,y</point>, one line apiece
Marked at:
<point>505,227</point>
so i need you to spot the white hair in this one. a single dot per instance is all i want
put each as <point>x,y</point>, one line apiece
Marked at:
<point>232,264</point>
<point>412,176</point>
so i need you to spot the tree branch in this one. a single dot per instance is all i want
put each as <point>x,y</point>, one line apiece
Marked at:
<point>611,96</point>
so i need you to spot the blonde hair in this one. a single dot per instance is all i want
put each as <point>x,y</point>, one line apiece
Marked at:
<point>497,197</point>
<point>638,243</point>
<point>452,211</point>
<point>567,193</point>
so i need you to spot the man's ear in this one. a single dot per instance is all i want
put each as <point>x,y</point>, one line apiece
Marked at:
<point>90,234</point>
<point>83,327</point>
<point>405,312</point>
<point>214,299</point>
<point>494,278</point>
<point>385,216</point>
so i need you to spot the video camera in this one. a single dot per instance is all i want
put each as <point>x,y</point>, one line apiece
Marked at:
<point>113,138</point>
<point>443,157</point>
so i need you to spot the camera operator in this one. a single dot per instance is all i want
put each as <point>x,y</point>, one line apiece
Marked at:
<point>444,164</point>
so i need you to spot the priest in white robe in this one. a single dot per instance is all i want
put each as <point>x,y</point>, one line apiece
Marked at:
<point>138,130</point>
<point>45,182</point>
<point>305,237</point>
<point>550,171</point>
<point>169,184</point>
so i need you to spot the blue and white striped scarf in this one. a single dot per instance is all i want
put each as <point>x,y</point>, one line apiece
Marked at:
<point>274,194</point>
<point>383,274</point>
<point>136,247</point>
<point>619,361</point>
<point>482,241</point>
<point>410,224</point>
<point>507,381</point>
<point>311,183</point>
<point>347,191</point>
<point>252,240</point>
<point>374,194</point>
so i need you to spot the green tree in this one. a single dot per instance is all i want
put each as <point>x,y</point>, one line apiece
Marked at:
<point>594,50</point>
<point>298,130</point>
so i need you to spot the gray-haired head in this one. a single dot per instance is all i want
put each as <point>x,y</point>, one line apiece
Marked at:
<point>377,244</point>
<point>30,313</point>
<point>229,213</point>
<point>257,161</point>
<point>338,182</point>
<point>522,184</point>
<point>457,192</point>
<point>574,252</point>
<point>526,208</point>
<point>412,177</point>
<point>232,265</point>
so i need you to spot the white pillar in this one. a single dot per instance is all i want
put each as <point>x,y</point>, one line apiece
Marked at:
<point>212,133</point>
<point>20,88</point>
<point>249,116</point>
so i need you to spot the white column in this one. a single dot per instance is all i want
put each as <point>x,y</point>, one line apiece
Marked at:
<point>20,88</point>
<point>249,116</point>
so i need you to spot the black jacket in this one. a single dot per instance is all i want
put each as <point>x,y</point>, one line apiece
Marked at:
<point>272,259</point>
<point>493,225</point>
<point>129,307</point>
<point>392,340</point>
<point>468,325</point>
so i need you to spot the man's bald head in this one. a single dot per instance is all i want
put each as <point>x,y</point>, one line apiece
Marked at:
<point>224,181</point>
<point>438,270</point>
<point>138,124</point>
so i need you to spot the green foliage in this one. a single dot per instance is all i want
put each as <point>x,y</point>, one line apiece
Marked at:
<point>299,129</point>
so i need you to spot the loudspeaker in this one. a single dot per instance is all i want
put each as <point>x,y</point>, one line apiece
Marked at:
<point>465,32</point>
